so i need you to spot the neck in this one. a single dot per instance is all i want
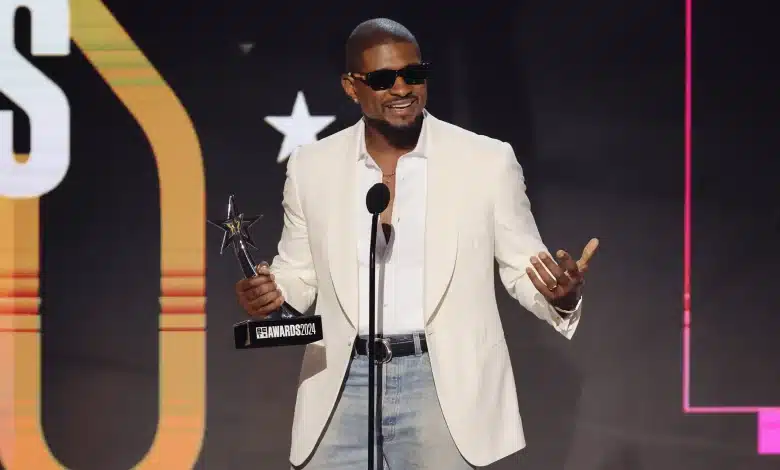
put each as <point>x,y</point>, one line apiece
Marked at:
<point>382,138</point>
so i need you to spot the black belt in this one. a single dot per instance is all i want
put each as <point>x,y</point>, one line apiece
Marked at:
<point>389,347</point>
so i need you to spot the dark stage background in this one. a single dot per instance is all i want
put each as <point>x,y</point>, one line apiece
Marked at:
<point>590,94</point>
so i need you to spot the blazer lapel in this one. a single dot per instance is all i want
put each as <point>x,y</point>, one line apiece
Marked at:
<point>342,227</point>
<point>441,229</point>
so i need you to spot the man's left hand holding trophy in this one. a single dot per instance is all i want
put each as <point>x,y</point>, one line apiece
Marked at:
<point>259,295</point>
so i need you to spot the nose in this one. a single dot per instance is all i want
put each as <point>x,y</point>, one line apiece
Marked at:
<point>400,87</point>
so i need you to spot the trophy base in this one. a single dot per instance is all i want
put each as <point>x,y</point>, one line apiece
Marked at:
<point>270,333</point>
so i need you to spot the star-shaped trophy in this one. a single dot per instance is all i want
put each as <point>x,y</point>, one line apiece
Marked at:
<point>236,228</point>
<point>283,327</point>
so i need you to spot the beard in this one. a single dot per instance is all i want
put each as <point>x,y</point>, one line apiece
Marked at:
<point>400,136</point>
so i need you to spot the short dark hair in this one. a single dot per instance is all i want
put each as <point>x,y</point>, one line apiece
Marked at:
<point>371,33</point>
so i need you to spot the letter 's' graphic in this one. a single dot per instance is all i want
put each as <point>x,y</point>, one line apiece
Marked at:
<point>170,132</point>
<point>38,96</point>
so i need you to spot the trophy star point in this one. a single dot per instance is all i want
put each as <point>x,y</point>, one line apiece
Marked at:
<point>299,128</point>
<point>249,221</point>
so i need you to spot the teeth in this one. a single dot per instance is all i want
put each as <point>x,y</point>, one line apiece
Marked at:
<point>400,106</point>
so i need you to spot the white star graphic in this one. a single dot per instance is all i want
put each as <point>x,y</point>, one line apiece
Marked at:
<point>299,128</point>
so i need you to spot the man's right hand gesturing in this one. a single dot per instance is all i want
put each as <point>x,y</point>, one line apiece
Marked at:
<point>259,295</point>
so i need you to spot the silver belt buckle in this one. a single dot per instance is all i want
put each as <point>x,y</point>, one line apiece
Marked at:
<point>389,352</point>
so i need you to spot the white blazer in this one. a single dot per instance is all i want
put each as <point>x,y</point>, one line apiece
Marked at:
<point>477,210</point>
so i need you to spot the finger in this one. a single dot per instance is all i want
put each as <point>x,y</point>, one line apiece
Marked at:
<point>261,312</point>
<point>248,284</point>
<point>540,286</point>
<point>588,252</point>
<point>244,285</point>
<point>263,269</point>
<point>264,310</point>
<point>557,272</point>
<point>265,299</point>
<point>546,278</point>
<point>260,280</point>
<point>261,290</point>
<point>568,264</point>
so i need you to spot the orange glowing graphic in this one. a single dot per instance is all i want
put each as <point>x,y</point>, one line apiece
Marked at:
<point>182,363</point>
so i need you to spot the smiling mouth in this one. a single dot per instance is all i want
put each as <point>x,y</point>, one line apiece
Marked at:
<point>401,104</point>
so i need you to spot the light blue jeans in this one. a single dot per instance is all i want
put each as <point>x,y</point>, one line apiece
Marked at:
<point>413,436</point>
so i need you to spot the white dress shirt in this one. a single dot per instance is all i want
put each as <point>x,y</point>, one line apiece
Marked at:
<point>399,261</point>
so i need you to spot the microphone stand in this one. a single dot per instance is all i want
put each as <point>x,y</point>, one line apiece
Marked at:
<point>377,199</point>
<point>371,342</point>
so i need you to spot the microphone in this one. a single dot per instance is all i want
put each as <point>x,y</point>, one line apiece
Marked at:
<point>377,200</point>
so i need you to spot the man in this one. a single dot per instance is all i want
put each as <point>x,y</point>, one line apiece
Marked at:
<point>458,202</point>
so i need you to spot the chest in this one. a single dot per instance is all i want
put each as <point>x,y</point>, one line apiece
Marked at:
<point>401,231</point>
<point>408,185</point>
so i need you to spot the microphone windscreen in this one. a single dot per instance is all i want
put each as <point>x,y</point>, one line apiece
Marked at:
<point>378,198</point>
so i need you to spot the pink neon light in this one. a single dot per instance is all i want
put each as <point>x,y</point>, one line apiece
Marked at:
<point>769,431</point>
<point>768,418</point>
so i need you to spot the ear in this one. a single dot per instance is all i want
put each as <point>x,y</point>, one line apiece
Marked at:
<point>348,84</point>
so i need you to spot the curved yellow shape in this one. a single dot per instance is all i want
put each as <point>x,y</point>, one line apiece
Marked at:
<point>182,361</point>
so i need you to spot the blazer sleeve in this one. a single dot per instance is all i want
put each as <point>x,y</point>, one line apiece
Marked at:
<point>293,266</point>
<point>517,239</point>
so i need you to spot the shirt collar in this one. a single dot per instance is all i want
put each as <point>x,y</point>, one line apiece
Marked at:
<point>419,150</point>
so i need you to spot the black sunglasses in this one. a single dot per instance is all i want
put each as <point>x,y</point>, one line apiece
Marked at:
<point>384,79</point>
